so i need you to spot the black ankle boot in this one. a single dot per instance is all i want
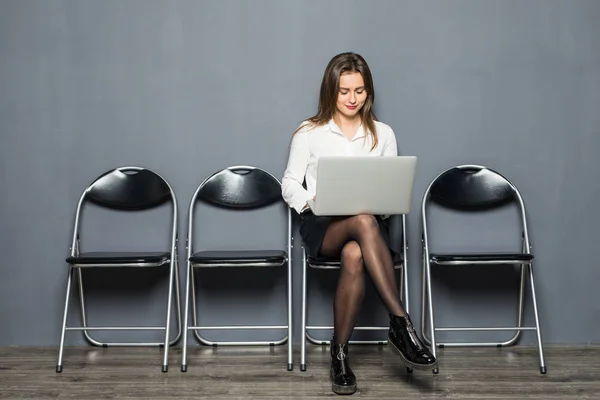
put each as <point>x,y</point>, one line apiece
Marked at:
<point>343,380</point>
<point>403,338</point>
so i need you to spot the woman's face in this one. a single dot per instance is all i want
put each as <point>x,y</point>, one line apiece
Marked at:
<point>351,94</point>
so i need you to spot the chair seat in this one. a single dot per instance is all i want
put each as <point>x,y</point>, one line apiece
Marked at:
<point>117,259</point>
<point>327,262</point>
<point>239,258</point>
<point>479,258</point>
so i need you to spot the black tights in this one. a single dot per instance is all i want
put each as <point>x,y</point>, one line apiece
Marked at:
<point>360,244</point>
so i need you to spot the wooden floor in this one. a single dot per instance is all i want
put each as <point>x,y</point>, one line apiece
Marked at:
<point>260,373</point>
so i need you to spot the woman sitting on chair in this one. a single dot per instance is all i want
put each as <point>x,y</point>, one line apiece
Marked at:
<point>345,125</point>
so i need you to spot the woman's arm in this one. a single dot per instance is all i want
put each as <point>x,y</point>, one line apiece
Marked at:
<point>293,192</point>
<point>390,147</point>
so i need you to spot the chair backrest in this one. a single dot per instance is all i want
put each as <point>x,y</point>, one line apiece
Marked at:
<point>129,188</point>
<point>241,187</point>
<point>238,188</point>
<point>473,188</point>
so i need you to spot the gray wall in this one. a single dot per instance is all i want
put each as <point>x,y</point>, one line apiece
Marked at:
<point>189,87</point>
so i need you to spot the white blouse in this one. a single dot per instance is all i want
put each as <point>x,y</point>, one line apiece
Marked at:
<point>310,143</point>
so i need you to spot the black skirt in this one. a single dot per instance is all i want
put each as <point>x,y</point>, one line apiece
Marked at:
<point>313,229</point>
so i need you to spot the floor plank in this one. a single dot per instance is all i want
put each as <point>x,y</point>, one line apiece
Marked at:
<point>260,373</point>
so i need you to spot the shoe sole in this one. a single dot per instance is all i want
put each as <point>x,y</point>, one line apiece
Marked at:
<point>410,364</point>
<point>339,389</point>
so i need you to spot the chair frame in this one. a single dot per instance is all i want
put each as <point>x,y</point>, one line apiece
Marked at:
<point>526,270</point>
<point>190,284</point>
<point>173,282</point>
<point>306,327</point>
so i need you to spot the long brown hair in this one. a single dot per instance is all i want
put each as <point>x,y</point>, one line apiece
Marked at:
<point>330,85</point>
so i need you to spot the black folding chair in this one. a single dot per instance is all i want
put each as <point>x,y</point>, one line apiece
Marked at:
<point>471,188</point>
<point>127,189</point>
<point>238,188</point>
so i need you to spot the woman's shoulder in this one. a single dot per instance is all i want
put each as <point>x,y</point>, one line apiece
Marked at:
<point>383,129</point>
<point>306,127</point>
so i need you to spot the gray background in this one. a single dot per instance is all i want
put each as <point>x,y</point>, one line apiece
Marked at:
<point>189,87</point>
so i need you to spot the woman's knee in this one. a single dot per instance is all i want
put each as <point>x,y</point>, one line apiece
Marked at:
<point>352,258</point>
<point>366,224</point>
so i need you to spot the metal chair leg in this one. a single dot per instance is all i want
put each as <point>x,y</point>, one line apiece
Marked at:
<point>303,339</point>
<point>177,304</point>
<point>431,319</point>
<point>186,317</point>
<point>59,366</point>
<point>165,365</point>
<point>543,368</point>
<point>290,342</point>
<point>424,297</point>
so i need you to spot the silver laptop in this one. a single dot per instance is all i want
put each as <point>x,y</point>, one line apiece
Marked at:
<point>364,185</point>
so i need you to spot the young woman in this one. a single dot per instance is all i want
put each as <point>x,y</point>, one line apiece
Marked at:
<point>345,125</point>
